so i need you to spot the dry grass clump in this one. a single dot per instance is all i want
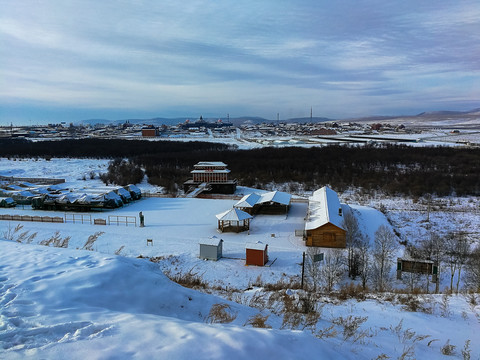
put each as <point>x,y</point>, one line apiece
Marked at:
<point>448,349</point>
<point>352,291</point>
<point>258,321</point>
<point>189,280</point>
<point>220,314</point>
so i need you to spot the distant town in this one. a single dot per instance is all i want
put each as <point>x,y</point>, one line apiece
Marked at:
<point>253,133</point>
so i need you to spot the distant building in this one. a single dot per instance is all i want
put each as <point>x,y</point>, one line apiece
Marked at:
<point>324,224</point>
<point>213,176</point>
<point>150,131</point>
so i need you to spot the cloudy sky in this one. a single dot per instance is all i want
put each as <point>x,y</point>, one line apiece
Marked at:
<point>68,60</point>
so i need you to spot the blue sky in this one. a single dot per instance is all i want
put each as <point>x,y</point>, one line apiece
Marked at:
<point>69,60</point>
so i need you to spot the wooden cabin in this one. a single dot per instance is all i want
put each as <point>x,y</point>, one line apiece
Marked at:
<point>211,248</point>
<point>324,222</point>
<point>256,254</point>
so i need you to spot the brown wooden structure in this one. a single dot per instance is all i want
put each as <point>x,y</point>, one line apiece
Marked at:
<point>212,173</point>
<point>417,266</point>
<point>256,254</point>
<point>327,235</point>
<point>324,225</point>
<point>234,220</point>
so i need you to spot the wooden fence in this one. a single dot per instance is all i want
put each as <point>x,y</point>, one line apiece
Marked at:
<point>49,219</point>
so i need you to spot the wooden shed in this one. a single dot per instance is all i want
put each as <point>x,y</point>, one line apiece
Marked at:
<point>256,254</point>
<point>234,220</point>
<point>211,248</point>
<point>324,223</point>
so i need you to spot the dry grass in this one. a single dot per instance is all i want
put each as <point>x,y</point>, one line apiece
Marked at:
<point>91,240</point>
<point>258,321</point>
<point>448,349</point>
<point>220,314</point>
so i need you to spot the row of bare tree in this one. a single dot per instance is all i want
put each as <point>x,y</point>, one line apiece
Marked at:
<point>372,262</point>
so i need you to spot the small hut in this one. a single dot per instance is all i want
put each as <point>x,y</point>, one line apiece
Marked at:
<point>234,220</point>
<point>256,254</point>
<point>211,248</point>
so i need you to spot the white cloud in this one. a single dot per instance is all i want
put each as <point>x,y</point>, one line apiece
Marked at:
<point>265,56</point>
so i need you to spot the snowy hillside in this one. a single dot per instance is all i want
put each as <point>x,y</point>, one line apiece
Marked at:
<point>60,303</point>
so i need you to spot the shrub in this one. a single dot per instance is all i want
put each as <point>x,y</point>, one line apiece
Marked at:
<point>258,321</point>
<point>220,313</point>
<point>448,349</point>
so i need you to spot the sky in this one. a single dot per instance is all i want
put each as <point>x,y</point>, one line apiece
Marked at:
<point>75,60</point>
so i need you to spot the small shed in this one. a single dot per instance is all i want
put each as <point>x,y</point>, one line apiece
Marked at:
<point>211,248</point>
<point>234,220</point>
<point>256,253</point>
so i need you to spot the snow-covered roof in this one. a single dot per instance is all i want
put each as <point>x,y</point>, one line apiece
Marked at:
<point>256,246</point>
<point>247,201</point>
<point>251,200</point>
<point>213,241</point>
<point>211,163</point>
<point>203,171</point>
<point>233,215</point>
<point>323,208</point>
<point>276,196</point>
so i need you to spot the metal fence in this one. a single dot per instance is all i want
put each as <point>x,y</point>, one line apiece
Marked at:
<point>119,219</point>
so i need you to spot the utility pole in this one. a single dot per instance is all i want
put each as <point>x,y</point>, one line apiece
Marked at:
<point>303,268</point>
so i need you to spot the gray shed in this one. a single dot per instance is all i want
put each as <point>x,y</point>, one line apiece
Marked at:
<point>211,248</point>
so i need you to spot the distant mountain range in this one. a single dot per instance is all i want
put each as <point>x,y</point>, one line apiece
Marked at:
<point>461,119</point>
<point>174,121</point>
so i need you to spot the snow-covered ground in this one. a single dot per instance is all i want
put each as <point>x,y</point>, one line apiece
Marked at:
<point>88,304</point>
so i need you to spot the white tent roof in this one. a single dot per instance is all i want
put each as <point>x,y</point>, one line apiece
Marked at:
<point>233,215</point>
<point>323,208</point>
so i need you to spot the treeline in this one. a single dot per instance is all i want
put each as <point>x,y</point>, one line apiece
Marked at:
<point>395,169</point>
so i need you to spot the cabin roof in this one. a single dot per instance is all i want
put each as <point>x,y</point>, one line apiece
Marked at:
<point>323,208</point>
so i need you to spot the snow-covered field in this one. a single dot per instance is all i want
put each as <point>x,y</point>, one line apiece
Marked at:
<point>72,303</point>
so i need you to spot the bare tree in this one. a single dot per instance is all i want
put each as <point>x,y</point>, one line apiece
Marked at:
<point>433,249</point>
<point>472,276</point>
<point>331,269</point>
<point>363,248</point>
<point>353,234</point>
<point>312,269</point>
<point>384,249</point>
<point>456,254</point>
